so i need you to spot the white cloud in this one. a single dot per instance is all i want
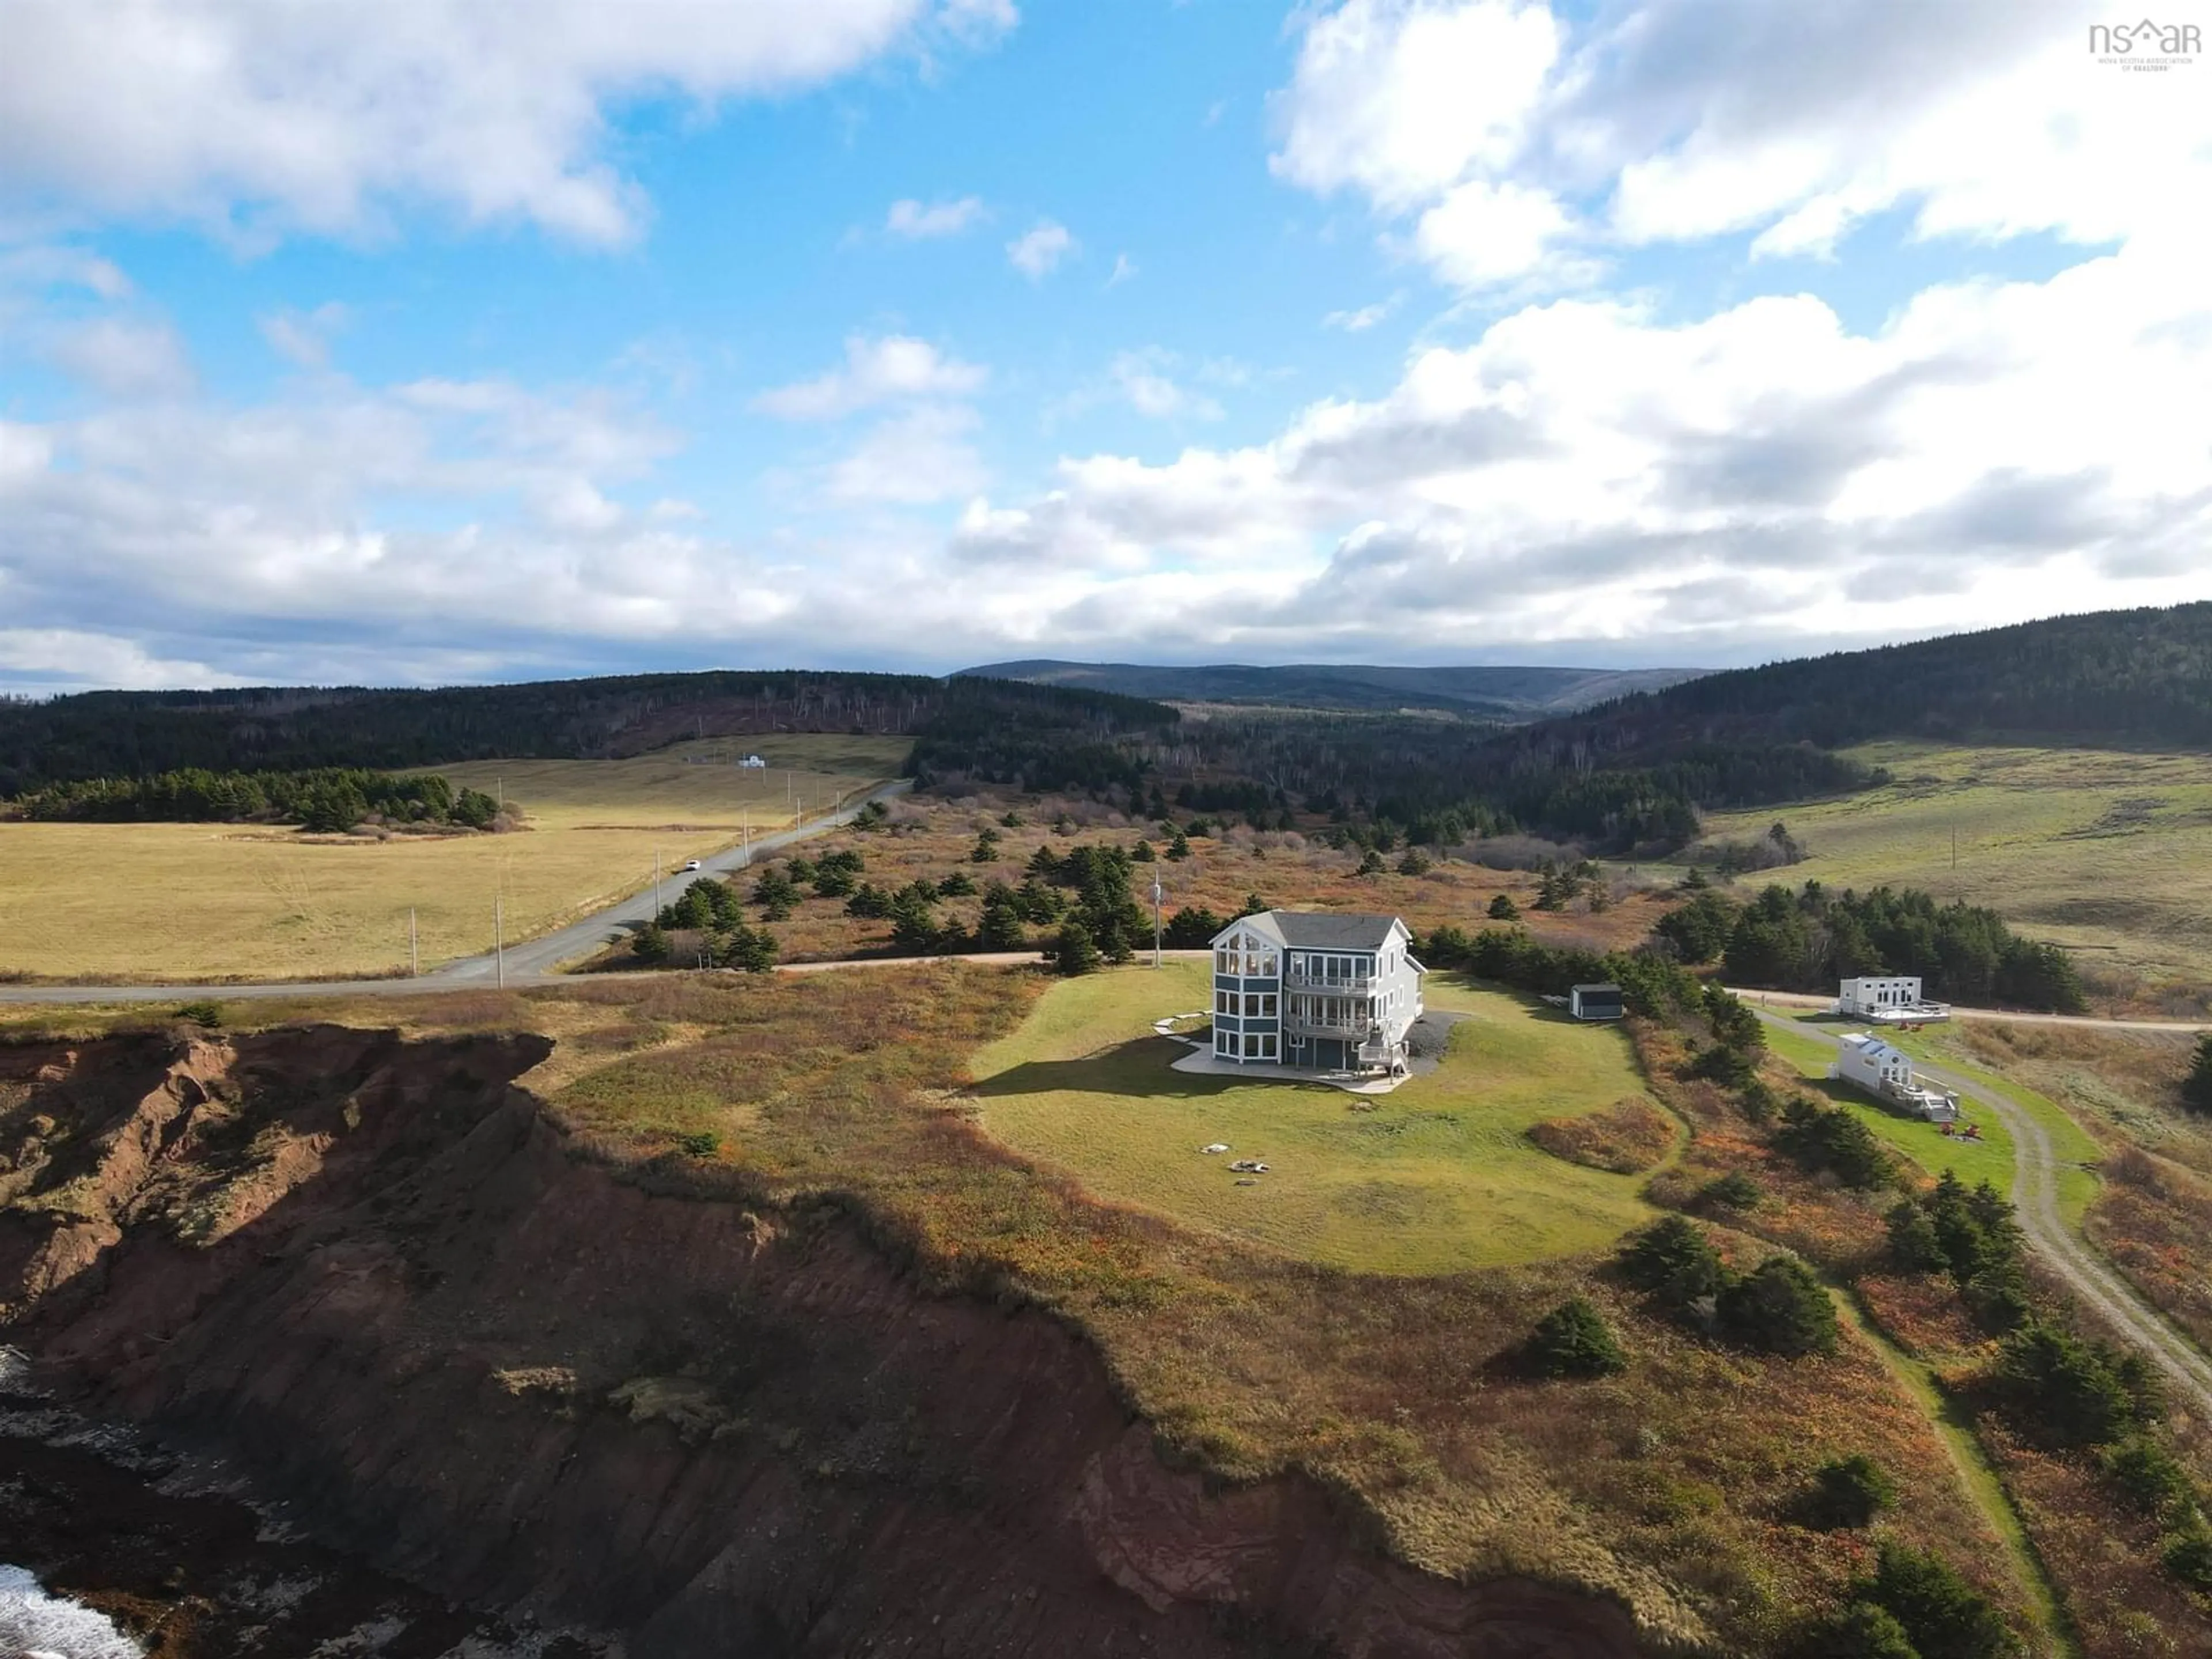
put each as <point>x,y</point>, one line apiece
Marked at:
<point>58,659</point>
<point>1038,250</point>
<point>304,337</point>
<point>45,266</point>
<point>1360,320</point>
<point>1585,472</point>
<point>918,457</point>
<point>1521,149</point>
<point>262,117</point>
<point>1483,233</point>
<point>1145,383</point>
<point>123,358</point>
<point>916,220</point>
<point>1124,269</point>
<point>875,371</point>
<point>1403,98</point>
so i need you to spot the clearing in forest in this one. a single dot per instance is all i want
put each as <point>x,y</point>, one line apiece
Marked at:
<point>1438,1176</point>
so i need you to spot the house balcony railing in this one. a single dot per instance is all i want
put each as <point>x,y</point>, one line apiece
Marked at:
<point>1360,1029</point>
<point>1305,979</point>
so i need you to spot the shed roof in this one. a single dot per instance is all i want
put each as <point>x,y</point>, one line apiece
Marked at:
<point>1597,990</point>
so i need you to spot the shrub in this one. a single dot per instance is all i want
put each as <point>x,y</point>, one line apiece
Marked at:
<point>1573,1339</point>
<point>701,1144</point>
<point>1735,1191</point>
<point>1822,1137</point>
<point>650,944</point>
<point>1372,865</point>
<point>1850,1491</point>
<point>1673,1259</point>
<point>1913,1245</point>
<point>2197,1087</point>
<point>2188,1556</point>
<point>2151,1479</point>
<point>1415,863</point>
<point>2065,1385</point>
<point>958,884</point>
<point>206,1014</point>
<point>1941,1614</point>
<point>1861,1630</point>
<point>1502,908</point>
<point>1779,1308</point>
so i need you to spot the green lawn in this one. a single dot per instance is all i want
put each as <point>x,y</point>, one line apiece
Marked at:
<point>1436,1177</point>
<point>2078,1185</point>
<point>1991,1160</point>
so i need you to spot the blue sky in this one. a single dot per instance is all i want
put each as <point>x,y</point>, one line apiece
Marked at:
<point>502,341</point>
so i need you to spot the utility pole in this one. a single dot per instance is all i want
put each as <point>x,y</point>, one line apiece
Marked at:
<point>414,952</point>
<point>501,784</point>
<point>1156,918</point>
<point>656,883</point>
<point>499,936</point>
<point>744,839</point>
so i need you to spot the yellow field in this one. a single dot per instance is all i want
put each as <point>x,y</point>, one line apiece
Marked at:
<point>2107,853</point>
<point>247,901</point>
<point>1438,1176</point>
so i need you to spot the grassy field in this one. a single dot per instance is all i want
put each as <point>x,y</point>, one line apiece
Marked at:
<point>193,901</point>
<point>1436,1177</point>
<point>2107,853</point>
<point>1990,1160</point>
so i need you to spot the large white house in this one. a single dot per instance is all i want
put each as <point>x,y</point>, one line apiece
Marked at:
<point>1886,1071</point>
<point>1315,990</point>
<point>1888,1000</point>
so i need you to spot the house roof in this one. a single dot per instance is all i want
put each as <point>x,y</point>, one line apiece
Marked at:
<point>1323,930</point>
<point>1598,990</point>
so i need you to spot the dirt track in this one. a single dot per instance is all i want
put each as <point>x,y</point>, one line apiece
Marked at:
<point>2035,1200</point>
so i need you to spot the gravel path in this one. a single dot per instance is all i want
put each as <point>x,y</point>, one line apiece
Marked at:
<point>2035,1200</point>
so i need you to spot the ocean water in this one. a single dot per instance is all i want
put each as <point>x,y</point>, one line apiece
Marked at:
<point>36,1626</point>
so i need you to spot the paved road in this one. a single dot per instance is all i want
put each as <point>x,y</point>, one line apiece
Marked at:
<point>531,963</point>
<point>1809,1000</point>
<point>2035,1200</point>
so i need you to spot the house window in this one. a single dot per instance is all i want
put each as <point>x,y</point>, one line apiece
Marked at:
<point>1252,1004</point>
<point>1224,1002</point>
<point>1267,1045</point>
<point>1251,1046</point>
<point>1225,1043</point>
<point>1267,1005</point>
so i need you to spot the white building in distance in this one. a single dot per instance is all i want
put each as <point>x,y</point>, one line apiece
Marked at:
<point>1888,1000</point>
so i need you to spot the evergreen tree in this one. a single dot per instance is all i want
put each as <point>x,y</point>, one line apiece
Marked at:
<point>1073,950</point>
<point>1502,908</point>
<point>1573,1339</point>
<point>1779,1308</point>
<point>2197,1087</point>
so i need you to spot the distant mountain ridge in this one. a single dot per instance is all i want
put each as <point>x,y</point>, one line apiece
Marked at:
<point>2141,676</point>
<point>1513,694</point>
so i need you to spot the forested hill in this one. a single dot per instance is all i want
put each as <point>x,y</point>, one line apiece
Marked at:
<point>1500,694</point>
<point>1051,734</point>
<point>2116,676</point>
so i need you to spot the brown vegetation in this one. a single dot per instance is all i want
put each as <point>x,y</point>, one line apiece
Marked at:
<point>1628,1137</point>
<point>929,837</point>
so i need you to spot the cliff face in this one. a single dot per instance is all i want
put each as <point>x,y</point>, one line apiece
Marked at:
<point>376,1277</point>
